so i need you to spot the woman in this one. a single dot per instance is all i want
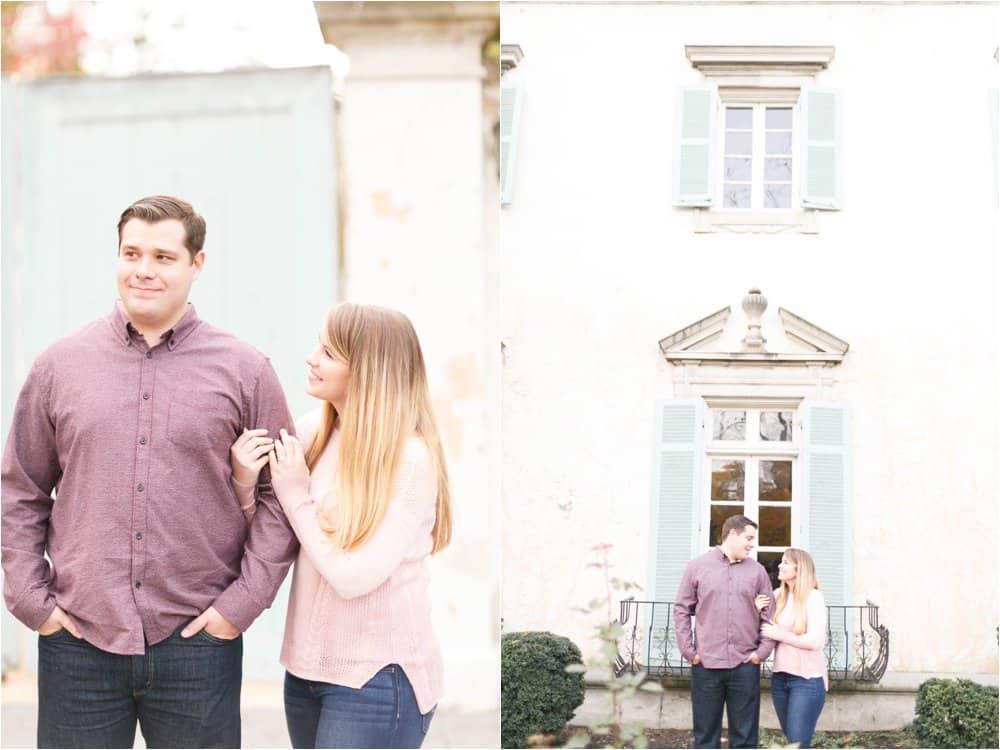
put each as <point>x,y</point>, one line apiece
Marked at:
<point>366,491</point>
<point>798,675</point>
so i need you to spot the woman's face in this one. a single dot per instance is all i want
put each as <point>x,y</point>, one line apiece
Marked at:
<point>328,375</point>
<point>787,570</point>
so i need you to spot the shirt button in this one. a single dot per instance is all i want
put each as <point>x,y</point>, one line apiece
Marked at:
<point>149,355</point>
<point>145,397</point>
<point>142,440</point>
<point>141,487</point>
<point>138,584</point>
<point>138,535</point>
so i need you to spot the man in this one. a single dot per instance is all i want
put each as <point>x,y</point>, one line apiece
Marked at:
<point>719,589</point>
<point>130,419</point>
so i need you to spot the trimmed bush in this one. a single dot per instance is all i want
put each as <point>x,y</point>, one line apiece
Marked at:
<point>956,713</point>
<point>538,695</point>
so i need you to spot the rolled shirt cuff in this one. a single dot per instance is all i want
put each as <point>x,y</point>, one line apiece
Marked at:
<point>237,606</point>
<point>34,608</point>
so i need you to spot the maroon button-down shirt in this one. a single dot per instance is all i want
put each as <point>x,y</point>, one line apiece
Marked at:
<point>720,595</point>
<point>145,531</point>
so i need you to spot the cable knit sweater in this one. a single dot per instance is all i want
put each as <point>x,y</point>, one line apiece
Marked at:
<point>352,613</point>
<point>802,655</point>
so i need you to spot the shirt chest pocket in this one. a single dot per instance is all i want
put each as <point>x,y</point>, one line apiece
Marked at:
<point>208,423</point>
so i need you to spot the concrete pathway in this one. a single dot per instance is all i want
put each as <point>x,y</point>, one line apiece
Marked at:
<point>263,720</point>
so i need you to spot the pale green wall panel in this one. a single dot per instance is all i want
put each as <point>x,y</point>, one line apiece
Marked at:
<point>252,150</point>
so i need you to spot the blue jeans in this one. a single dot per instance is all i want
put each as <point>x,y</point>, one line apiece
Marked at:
<point>382,713</point>
<point>738,689</point>
<point>183,693</point>
<point>798,702</point>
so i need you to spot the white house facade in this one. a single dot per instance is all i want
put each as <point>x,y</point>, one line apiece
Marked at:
<point>749,265</point>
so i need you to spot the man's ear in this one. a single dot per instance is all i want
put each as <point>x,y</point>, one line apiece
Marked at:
<point>198,261</point>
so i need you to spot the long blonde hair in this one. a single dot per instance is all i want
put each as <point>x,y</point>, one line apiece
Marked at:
<point>805,582</point>
<point>387,402</point>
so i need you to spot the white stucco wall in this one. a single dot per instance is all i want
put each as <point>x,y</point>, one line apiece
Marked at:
<point>416,238</point>
<point>598,266</point>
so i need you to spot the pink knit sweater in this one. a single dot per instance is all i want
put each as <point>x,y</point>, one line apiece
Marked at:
<point>352,613</point>
<point>802,655</point>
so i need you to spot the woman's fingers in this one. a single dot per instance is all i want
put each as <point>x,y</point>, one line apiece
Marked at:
<point>251,437</point>
<point>260,450</point>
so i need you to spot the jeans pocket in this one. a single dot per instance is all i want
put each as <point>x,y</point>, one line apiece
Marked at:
<point>53,636</point>
<point>425,720</point>
<point>206,636</point>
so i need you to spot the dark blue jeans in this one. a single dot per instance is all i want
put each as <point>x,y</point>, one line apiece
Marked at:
<point>383,713</point>
<point>183,693</point>
<point>739,690</point>
<point>798,702</point>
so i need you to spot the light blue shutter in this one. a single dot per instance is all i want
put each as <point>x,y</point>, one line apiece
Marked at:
<point>677,458</point>
<point>511,96</point>
<point>827,484</point>
<point>693,183</point>
<point>821,149</point>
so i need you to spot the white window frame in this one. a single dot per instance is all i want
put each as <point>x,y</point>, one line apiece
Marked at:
<point>753,449</point>
<point>759,74</point>
<point>757,160</point>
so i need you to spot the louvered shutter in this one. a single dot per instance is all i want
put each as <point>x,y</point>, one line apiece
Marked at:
<point>693,181</point>
<point>822,149</point>
<point>676,480</point>
<point>511,97</point>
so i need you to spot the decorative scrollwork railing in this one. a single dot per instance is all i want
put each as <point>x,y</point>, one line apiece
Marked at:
<point>857,646</point>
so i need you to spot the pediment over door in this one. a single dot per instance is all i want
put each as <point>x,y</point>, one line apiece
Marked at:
<point>752,337</point>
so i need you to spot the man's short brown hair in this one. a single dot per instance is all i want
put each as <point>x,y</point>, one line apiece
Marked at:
<point>154,208</point>
<point>734,523</point>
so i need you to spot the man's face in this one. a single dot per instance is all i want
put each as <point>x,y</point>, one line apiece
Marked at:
<point>741,543</point>
<point>155,272</point>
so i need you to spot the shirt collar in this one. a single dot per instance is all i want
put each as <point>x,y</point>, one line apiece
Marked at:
<point>124,330</point>
<point>724,558</point>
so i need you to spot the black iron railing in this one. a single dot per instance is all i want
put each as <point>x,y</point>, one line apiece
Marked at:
<point>857,646</point>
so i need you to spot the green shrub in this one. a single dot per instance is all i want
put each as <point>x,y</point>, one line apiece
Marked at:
<point>956,713</point>
<point>538,695</point>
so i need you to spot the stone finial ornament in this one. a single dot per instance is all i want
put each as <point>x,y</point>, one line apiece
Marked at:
<point>754,305</point>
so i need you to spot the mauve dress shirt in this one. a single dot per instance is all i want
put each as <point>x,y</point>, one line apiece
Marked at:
<point>145,531</point>
<point>720,595</point>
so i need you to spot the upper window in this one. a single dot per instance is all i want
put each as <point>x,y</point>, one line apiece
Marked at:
<point>759,141</point>
<point>758,164</point>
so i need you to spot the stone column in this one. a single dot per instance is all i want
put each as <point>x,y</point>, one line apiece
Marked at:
<point>417,237</point>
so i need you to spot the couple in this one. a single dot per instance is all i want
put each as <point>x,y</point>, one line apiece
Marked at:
<point>154,428</point>
<point>738,626</point>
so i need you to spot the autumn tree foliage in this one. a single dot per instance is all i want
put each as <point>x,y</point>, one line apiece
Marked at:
<point>41,39</point>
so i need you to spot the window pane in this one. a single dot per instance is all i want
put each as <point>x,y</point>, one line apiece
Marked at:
<point>739,117</point>
<point>729,425</point>
<point>777,196</point>
<point>778,117</point>
<point>777,169</point>
<point>739,144</point>
<point>778,143</point>
<point>738,169</point>
<point>727,480</point>
<point>736,196</point>
<point>775,527</point>
<point>770,562</point>
<point>719,515</point>
<point>774,481</point>
<point>776,426</point>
